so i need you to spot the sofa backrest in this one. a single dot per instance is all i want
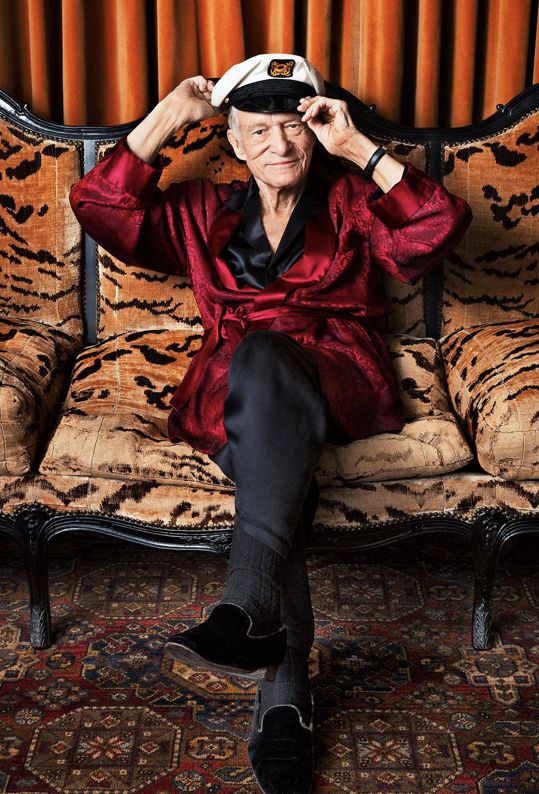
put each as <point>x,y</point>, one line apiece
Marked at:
<point>41,247</point>
<point>493,275</point>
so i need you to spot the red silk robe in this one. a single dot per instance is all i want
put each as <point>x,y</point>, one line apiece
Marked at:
<point>324,301</point>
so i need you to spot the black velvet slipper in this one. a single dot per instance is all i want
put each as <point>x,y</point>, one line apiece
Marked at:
<point>281,750</point>
<point>224,643</point>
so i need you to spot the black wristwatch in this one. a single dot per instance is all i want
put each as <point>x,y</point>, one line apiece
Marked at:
<point>375,156</point>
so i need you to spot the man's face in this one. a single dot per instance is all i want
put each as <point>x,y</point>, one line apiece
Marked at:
<point>277,147</point>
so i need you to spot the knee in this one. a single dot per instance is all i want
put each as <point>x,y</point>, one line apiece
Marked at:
<point>262,345</point>
<point>268,351</point>
<point>274,365</point>
<point>261,352</point>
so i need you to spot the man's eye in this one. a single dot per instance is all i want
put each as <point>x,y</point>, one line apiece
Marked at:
<point>258,132</point>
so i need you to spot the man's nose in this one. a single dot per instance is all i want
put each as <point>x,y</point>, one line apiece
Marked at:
<point>279,141</point>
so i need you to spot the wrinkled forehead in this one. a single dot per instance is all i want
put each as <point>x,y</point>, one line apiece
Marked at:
<point>250,119</point>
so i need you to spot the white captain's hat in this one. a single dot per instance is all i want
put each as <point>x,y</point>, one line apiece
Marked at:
<point>268,83</point>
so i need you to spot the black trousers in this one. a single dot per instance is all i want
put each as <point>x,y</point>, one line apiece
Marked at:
<point>277,421</point>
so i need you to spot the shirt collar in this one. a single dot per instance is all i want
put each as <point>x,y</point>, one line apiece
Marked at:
<point>251,230</point>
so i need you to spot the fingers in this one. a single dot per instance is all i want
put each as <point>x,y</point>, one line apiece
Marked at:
<point>307,100</point>
<point>209,88</point>
<point>313,106</point>
<point>204,86</point>
<point>306,103</point>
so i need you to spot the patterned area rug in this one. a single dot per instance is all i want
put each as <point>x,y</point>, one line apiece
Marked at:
<point>403,704</point>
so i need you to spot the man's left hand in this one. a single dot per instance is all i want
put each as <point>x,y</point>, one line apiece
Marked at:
<point>331,122</point>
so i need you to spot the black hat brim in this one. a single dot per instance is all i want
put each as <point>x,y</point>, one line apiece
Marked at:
<point>270,96</point>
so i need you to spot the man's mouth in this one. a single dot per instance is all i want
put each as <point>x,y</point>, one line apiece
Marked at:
<point>284,164</point>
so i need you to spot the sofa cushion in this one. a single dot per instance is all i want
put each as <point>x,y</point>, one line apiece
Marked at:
<point>35,361</point>
<point>431,441</point>
<point>493,381</point>
<point>114,421</point>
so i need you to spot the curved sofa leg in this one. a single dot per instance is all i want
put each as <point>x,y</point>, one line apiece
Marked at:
<point>489,534</point>
<point>31,521</point>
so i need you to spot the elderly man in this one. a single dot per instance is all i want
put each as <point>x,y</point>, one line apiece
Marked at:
<point>286,269</point>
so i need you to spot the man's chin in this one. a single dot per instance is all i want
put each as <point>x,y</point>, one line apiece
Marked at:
<point>287,178</point>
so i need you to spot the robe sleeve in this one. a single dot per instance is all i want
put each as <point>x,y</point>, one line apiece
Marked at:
<point>119,204</point>
<point>415,225</point>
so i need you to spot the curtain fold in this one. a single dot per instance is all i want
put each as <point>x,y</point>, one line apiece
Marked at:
<point>427,66</point>
<point>318,34</point>
<point>425,63</point>
<point>268,27</point>
<point>35,23</point>
<point>381,56</point>
<point>220,30</point>
<point>74,63</point>
<point>178,21</point>
<point>505,56</point>
<point>461,78</point>
<point>535,47</point>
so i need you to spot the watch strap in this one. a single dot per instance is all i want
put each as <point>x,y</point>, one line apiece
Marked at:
<point>373,160</point>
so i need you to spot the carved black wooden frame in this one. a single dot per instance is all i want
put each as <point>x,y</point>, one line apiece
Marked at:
<point>34,526</point>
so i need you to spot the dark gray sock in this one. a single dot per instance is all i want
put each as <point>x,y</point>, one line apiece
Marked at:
<point>290,687</point>
<point>253,581</point>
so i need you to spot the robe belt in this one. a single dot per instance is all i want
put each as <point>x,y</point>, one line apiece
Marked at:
<point>235,322</point>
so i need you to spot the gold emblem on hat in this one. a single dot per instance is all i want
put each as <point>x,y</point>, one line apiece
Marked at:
<point>281,68</point>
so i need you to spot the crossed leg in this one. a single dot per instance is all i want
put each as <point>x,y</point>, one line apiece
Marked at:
<point>276,423</point>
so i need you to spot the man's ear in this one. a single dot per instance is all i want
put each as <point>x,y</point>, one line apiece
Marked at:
<point>236,145</point>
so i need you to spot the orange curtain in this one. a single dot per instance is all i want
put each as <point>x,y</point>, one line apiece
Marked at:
<point>425,63</point>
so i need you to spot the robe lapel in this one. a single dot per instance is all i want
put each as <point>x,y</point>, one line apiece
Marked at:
<point>220,233</point>
<point>319,249</point>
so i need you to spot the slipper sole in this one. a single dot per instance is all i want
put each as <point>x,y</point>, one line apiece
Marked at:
<point>181,653</point>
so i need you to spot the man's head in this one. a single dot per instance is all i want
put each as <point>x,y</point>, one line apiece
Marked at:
<point>261,96</point>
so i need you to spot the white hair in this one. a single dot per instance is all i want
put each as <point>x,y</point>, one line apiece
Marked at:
<point>233,121</point>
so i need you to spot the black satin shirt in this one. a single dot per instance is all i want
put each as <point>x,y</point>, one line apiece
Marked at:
<point>248,253</point>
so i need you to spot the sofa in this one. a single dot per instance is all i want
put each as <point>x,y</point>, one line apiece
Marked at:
<point>92,349</point>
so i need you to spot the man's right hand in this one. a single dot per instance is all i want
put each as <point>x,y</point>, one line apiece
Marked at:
<point>189,101</point>
<point>193,97</point>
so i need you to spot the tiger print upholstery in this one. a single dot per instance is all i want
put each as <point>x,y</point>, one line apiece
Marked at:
<point>35,360</point>
<point>493,382</point>
<point>343,509</point>
<point>40,288</point>
<point>490,309</point>
<point>40,255</point>
<point>114,421</point>
<point>493,275</point>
